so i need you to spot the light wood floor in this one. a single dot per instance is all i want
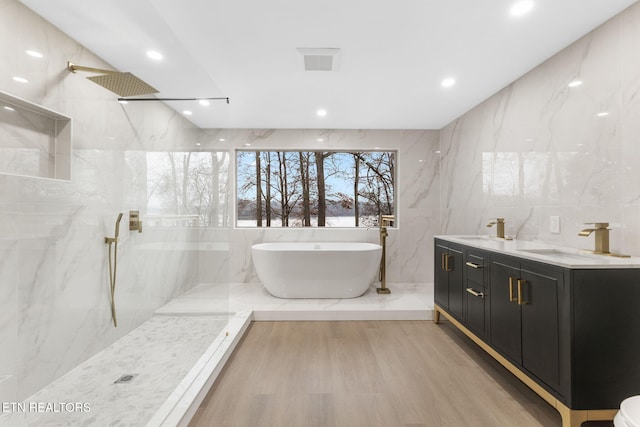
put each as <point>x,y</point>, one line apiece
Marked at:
<point>374,373</point>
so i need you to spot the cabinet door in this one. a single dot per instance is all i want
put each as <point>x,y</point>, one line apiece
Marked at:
<point>504,325</point>
<point>456,284</point>
<point>539,289</point>
<point>441,279</point>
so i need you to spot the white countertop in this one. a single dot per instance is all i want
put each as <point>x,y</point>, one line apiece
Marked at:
<point>545,252</point>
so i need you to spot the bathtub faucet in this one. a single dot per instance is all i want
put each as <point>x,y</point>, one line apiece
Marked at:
<point>383,222</point>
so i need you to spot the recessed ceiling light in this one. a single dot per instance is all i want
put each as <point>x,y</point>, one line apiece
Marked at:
<point>575,83</point>
<point>521,8</point>
<point>321,113</point>
<point>602,114</point>
<point>221,139</point>
<point>448,82</point>
<point>247,145</point>
<point>187,112</point>
<point>320,140</point>
<point>6,107</point>
<point>20,79</point>
<point>204,102</point>
<point>154,54</point>
<point>34,53</point>
<point>197,144</point>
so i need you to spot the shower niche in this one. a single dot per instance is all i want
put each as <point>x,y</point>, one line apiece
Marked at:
<point>34,141</point>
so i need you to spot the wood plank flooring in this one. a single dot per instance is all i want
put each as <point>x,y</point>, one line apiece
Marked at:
<point>366,373</point>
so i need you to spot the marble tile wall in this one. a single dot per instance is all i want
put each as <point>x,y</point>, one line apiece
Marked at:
<point>540,147</point>
<point>410,245</point>
<point>54,302</point>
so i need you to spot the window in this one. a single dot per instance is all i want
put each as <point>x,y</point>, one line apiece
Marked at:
<point>186,188</point>
<point>314,188</point>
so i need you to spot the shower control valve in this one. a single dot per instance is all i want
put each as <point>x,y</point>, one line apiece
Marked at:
<point>134,221</point>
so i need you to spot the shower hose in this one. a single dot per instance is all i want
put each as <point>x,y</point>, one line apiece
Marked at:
<point>113,265</point>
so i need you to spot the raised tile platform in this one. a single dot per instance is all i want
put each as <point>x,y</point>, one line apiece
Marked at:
<point>407,301</point>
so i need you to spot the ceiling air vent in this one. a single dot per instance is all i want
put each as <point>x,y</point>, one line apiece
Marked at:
<point>319,59</point>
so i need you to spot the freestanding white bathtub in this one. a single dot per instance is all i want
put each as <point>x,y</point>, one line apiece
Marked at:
<point>316,269</point>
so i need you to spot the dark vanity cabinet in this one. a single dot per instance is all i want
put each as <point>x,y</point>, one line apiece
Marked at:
<point>448,291</point>
<point>574,333</point>
<point>460,284</point>
<point>528,301</point>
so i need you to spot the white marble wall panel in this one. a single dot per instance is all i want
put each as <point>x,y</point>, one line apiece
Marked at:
<point>539,147</point>
<point>54,299</point>
<point>630,219</point>
<point>8,290</point>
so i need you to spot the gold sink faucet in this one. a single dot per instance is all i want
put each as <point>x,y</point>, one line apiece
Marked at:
<point>499,223</point>
<point>602,238</point>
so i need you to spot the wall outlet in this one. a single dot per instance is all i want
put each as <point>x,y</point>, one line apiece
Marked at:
<point>554,224</point>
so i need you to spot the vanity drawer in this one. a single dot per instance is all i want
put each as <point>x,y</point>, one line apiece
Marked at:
<point>475,267</point>
<point>476,308</point>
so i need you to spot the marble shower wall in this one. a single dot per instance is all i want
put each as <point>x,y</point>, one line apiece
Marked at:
<point>54,302</point>
<point>540,147</point>
<point>417,193</point>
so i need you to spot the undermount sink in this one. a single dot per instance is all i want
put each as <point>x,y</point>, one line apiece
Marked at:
<point>483,238</point>
<point>555,253</point>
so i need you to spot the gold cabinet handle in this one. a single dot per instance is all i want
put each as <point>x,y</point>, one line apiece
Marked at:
<point>475,293</point>
<point>520,300</point>
<point>445,262</point>
<point>473,264</point>
<point>511,297</point>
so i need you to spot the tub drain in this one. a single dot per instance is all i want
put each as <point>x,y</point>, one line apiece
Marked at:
<point>126,378</point>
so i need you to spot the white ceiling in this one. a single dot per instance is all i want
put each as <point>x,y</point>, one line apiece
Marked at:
<point>394,54</point>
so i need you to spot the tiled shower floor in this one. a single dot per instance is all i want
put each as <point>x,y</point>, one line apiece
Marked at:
<point>177,353</point>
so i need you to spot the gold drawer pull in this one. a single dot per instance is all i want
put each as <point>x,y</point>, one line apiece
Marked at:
<point>473,264</point>
<point>475,293</point>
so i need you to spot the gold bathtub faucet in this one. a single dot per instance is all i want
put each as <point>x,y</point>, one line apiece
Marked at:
<point>383,222</point>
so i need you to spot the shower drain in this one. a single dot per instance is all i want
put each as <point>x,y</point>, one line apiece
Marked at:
<point>125,379</point>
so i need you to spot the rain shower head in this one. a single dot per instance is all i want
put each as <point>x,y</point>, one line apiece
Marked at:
<point>123,84</point>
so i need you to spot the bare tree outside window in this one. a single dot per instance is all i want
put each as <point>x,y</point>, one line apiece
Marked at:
<point>188,188</point>
<point>314,188</point>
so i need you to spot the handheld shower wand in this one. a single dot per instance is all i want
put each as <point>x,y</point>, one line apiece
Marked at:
<point>113,265</point>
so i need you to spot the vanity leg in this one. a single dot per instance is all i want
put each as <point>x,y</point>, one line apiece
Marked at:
<point>574,418</point>
<point>436,316</point>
